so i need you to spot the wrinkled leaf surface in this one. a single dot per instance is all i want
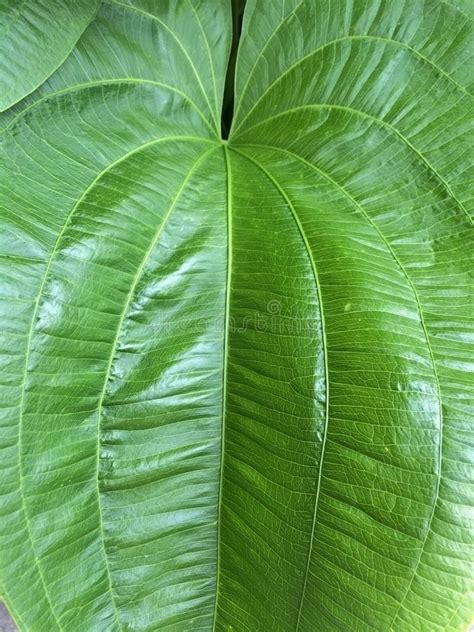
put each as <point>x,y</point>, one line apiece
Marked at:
<point>235,375</point>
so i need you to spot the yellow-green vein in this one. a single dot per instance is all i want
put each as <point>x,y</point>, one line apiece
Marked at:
<point>224,375</point>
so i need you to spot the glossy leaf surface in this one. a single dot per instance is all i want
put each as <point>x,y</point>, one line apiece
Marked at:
<point>235,375</point>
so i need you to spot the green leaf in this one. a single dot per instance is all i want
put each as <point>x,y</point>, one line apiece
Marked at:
<point>235,375</point>
<point>35,39</point>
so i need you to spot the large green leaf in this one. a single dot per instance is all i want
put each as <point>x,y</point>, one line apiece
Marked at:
<point>235,374</point>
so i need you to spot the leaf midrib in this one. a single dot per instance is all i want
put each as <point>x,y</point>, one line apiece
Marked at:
<point>224,380</point>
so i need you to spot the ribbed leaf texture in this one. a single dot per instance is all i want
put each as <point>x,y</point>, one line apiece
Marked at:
<point>234,374</point>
